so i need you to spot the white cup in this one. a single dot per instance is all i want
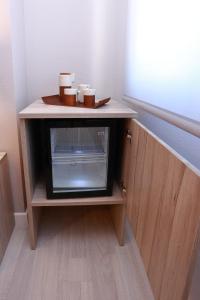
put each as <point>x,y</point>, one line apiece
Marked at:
<point>73,77</point>
<point>89,92</point>
<point>70,91</point>
<point>81,87</point>
<point>66,79</point>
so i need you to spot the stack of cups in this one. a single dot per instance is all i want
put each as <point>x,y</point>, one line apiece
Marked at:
<point>67,94</point>
<point>65,81</point>
<point>81,88</point>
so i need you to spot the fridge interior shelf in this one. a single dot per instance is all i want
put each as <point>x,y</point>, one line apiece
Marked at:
<point>77,174</point>
<point>77,150</point>
<point>78,159</point>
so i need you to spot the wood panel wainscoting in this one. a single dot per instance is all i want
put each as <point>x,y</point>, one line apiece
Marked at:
<point>163,207</point>
<point>6,210</point>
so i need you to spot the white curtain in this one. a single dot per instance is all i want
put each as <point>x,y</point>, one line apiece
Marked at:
<point>163,54</point>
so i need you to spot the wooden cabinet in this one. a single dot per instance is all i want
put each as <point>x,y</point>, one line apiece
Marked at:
<point>30,119</point>
<point>163,207</point>
<point>6,211</point>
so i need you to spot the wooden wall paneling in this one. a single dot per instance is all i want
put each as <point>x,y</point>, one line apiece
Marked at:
<point>173,175</point>
<point>164,211</point>
<point>6,209</point>
<point>30,181</point>
<point>146,213</point>
<point>193,287</point>
<point>182,244</point>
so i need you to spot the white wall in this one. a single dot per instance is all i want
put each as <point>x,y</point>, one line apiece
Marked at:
<point>18,53</point>
<point>8,119</point>
<point>85,37</point>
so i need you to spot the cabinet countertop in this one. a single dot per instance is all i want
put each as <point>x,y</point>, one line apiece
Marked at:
<point>39,110</point>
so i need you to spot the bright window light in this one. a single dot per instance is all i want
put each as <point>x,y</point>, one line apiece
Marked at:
<point>163,54</point>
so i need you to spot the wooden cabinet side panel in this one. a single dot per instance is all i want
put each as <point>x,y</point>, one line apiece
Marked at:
<point>6,208</point>
<point>30,180</point>
<point>118,214</point>
<point>27,159</point>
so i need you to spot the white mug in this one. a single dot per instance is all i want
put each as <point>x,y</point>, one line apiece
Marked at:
<point>70,91</point>
<point>81,87</point>
<point>73,77</point>
<point>89,92</point>
<point>66,79</point>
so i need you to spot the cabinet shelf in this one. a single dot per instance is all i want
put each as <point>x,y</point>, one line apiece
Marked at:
<point>39,199</point>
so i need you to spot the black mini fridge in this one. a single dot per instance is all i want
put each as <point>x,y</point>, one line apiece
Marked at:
<point>79,157</point>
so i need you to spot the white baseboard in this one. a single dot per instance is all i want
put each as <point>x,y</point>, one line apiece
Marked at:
<point>21,220</point>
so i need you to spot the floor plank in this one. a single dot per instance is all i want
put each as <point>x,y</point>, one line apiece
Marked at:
<point>77,258</point>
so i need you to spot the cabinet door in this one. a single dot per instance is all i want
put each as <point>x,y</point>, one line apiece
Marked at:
<point>127,161</point>
<point>126,146</point>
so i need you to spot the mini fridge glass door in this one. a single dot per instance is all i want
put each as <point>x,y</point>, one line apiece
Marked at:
<point>79,158</point>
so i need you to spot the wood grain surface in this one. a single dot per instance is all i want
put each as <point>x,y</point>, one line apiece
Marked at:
<point>6,208</point>
<point>113,109</point>
<point>30,180</point>
<point>77,258</point>
<point>164,210</point>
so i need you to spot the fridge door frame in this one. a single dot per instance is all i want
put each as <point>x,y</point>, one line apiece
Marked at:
<point>73,123</point>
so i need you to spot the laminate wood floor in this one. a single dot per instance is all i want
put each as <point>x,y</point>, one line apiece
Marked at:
<point>77,258</point>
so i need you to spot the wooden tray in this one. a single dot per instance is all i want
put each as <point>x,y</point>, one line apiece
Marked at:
<point>55,100</point>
